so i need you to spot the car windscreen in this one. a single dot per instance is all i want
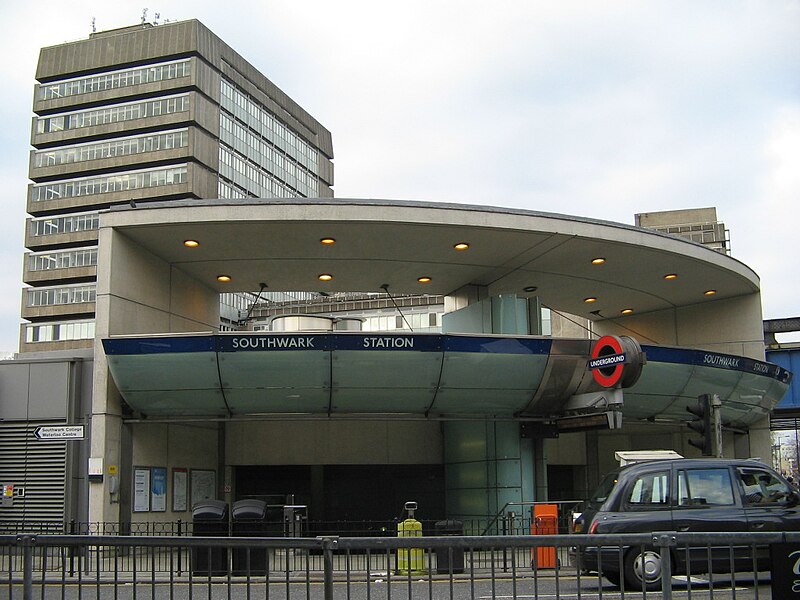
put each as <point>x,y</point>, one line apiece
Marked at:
<point>604,489</point>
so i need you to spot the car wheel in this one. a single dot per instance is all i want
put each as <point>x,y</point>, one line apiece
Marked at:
<point>642,569</point>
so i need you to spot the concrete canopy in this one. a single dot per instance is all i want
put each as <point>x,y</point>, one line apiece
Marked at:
<point>379,242</point>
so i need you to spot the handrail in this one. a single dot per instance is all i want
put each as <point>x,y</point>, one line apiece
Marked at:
<point>502,511</point>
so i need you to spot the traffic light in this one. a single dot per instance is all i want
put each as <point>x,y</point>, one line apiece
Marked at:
<point>702,424</point>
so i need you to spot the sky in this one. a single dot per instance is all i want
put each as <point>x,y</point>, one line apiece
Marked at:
<point>594,109</point>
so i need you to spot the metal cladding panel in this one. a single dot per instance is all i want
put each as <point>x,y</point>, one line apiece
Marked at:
<point>673,378</point>
<point>418,374</point>
<point>789,359</point>
<point>36,467</point>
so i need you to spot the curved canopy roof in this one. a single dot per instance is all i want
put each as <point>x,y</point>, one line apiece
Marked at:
<point>421,375</point>
<point>393,243</point>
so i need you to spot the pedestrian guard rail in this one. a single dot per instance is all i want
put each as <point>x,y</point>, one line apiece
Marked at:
<point>39,566</point>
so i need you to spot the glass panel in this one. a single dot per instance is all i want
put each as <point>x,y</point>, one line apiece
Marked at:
<point>708,486</point>
<point>649,489</point>
<point>177,402</point>
<point>186,371</point>
<point>293,400</point>
<point>762,487</point>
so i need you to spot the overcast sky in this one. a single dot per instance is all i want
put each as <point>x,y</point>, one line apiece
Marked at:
<point>596,109</point>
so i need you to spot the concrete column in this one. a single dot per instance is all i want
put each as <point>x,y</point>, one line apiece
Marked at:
<point>137,293</point>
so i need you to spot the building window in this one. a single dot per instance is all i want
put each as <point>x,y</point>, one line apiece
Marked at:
<point>44,226</point>
<point>114,80</point>
<point>60,331</point>
<point>128,111</point>
<point>58,296</point>
<point>66,259</point>
<point>261,155</point>
<point>129,180</point>
<point>127,146</point>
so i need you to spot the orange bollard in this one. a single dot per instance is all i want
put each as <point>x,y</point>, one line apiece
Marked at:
<point>545,522</point>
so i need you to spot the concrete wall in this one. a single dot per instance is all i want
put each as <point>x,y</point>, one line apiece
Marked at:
<point>173,446</point>
<point>731,326</point>
<point>333,442</point>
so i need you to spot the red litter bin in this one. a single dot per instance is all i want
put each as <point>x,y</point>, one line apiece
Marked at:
<point>545,522</point>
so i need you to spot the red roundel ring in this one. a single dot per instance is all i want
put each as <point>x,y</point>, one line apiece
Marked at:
<point>607,346</point>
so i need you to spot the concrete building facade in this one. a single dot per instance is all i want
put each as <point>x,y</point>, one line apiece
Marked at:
<point>141,114</point>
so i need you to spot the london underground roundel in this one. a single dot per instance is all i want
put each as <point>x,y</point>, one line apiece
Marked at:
<point>616,361</point>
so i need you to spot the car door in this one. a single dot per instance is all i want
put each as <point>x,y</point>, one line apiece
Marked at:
<point>770,504</point>
<point>639,503</point>
<point>707,501</point>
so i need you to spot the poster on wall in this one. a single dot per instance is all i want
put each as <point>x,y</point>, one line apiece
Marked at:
<point>204,485</point>
<point>180,488</point>
<point>141,489</point>
<point>158,489</point>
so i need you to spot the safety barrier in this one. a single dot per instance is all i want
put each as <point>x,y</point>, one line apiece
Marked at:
<point>51,566</point>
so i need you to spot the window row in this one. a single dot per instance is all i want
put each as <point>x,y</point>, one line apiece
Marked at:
<point>63,259</point>
<point>264,154</point>
<point>119,147</point>
<point>66,224</point>
<point>254,180</point>
<point>114,80</point>
<point>265,124</point>
<point>131,180</point>
<point>226,189</point>
<point>128,111</point>
<point>55,296</point>
<point>236,300</point>
<point>707,486</point>
<point>55,332</point>
<point>417,321</point>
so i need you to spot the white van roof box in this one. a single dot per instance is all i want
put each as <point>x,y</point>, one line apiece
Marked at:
<point>628,457</point>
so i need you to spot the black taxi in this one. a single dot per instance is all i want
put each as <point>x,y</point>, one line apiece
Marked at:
<point>692,495</point>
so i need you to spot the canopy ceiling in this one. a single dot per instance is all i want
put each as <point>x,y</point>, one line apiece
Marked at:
<point>392,243</point>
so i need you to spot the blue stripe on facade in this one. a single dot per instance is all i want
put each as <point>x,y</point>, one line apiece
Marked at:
<point>702,358</point>
<point>159,345</point>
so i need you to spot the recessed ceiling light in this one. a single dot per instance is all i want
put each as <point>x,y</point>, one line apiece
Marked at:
<point>626,311</point>
<point>590,299</point>
<point>424,279</point>
<point>530,288</point>
<point>327,241</point>
<point>598,261</point>
<point>671,276</point>
<point>191,243</point>
<point>224,278</point>
<point>325,277</point>
<point>461,246</point>
<point>709,292</point>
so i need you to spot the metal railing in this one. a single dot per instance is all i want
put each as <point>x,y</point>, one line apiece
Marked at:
<point>514,519</point>
<point>171,567</point>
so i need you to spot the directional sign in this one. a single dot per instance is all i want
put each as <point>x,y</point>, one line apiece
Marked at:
<point>59,432</point>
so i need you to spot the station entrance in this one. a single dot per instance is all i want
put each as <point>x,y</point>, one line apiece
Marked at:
<point>358,498</point>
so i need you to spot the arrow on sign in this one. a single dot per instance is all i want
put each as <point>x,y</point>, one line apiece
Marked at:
<point>59,432</point>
